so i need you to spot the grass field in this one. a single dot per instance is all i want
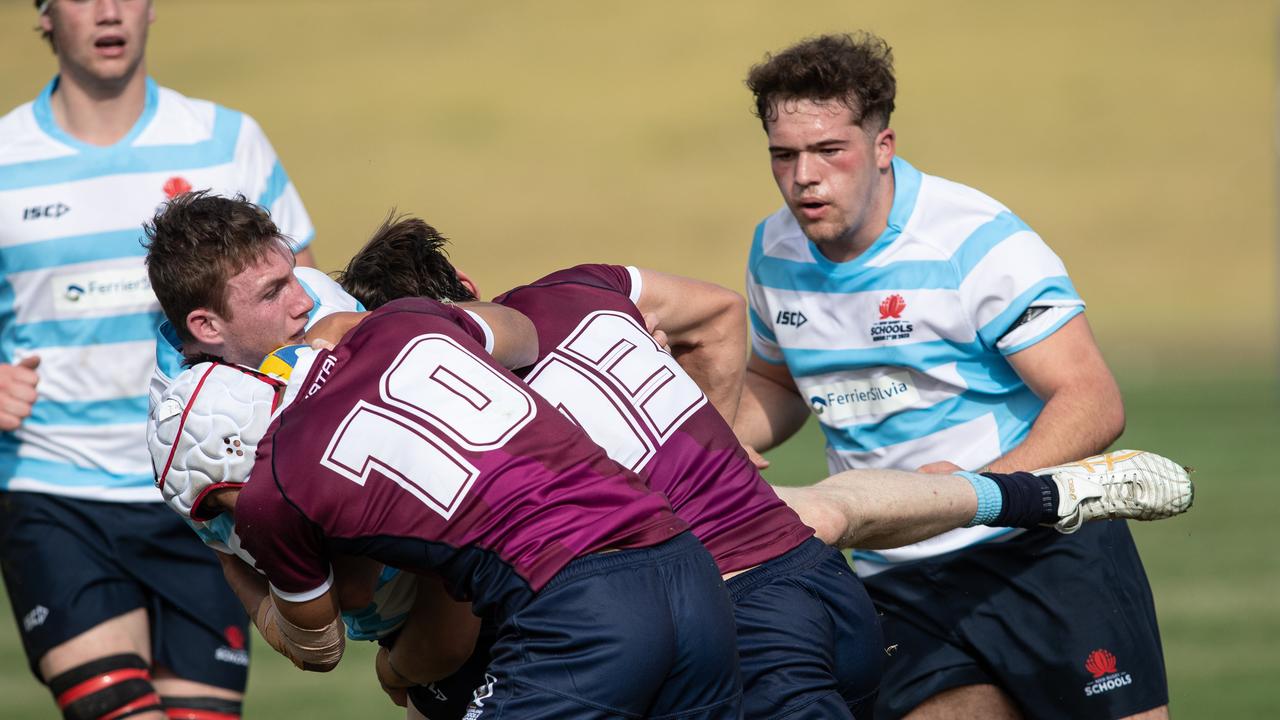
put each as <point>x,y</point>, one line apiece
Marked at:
<point>1215,572</point>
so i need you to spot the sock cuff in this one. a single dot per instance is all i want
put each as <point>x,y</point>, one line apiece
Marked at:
<point>990,499</point>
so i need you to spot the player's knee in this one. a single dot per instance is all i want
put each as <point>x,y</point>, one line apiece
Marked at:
<point>200,708</point>
<point>109,687</point>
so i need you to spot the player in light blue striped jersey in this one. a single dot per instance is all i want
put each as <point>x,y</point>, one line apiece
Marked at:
<point>138,605</point>
<point>927,326</point>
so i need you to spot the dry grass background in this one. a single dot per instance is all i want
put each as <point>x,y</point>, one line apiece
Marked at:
<point>1136,137</point>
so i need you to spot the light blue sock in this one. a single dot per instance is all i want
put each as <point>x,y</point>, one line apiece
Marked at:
<point>990,501</point>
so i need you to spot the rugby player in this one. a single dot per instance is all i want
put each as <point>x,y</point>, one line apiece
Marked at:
<point>136,619</point>
<point>588,505</point>
<point>597,364</point>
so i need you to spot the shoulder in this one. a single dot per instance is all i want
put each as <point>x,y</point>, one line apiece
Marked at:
<point>949,221</point>
<point>22,139</point>
<point>182,120</point>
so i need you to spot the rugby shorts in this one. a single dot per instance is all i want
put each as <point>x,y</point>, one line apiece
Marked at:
<point>1064,624</point>
<point>71,564</point>
<point>638,633</point>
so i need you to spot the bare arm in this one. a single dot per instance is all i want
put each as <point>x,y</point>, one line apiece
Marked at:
<point>515,341</point>
<point>705,327</point>
<point>1083,411</point>
<point>17,391</point>
<point>771,409</point>
<point>434,642</point>
<point>874,509</point>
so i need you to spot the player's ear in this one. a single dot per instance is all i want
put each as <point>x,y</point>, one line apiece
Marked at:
<point>886,144</point>
<point>205,326</point>
<point>468,283</point>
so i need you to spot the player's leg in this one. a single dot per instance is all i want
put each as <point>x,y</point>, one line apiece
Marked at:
<point>809,640</point>
<point>83,626</point>
<point>873,509</point>
<point>104,671</point>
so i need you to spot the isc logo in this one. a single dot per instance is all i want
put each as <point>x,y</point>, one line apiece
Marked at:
<point>794,318</point>
<point>56,210</point>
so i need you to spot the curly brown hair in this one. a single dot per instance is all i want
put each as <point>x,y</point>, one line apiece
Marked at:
<point>855,70</point>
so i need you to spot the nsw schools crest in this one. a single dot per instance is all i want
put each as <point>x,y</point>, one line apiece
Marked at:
<point>891,326</point>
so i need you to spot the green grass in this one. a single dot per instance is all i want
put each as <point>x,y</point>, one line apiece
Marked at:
<point>1214,572</point>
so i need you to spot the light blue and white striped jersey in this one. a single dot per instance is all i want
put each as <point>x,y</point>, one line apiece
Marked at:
<point>74,288</point>
<point>901,351</point>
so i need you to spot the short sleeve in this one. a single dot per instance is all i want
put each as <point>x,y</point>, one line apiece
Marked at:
<point>288,548</point>
<point>1002,279</point>
<point>763,340</point>
<point>264,181</point>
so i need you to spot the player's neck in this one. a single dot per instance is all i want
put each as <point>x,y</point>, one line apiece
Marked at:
<point>99,112</point>
<point>872,227</point>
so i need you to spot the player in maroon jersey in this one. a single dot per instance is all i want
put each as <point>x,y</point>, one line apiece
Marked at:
<point>410,446</point>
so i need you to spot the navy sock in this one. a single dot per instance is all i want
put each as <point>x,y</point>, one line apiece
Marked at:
<point>1029,500</point>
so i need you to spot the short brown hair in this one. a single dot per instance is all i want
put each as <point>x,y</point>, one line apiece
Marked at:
<point>196,243</point>
<point>405,257</point>
<point>854,70</point>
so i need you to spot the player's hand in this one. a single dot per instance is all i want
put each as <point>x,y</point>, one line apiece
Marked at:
<point>940,468</point>
<point>651,323</point>
<point>17,391</point>
<point>394,684</point>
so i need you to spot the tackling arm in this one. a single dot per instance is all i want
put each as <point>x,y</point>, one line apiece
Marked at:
<point>705,327</point>
<point>515,341</point>
<point>287,626</point>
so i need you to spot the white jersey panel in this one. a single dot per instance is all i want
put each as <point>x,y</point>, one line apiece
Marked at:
<point>899,352</point>
<point>75,290</point>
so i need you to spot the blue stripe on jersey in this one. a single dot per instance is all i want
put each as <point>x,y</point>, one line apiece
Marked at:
<point>85,331</point>
<point>984,238</point>
<point>65,474</point>
<point>276,183</point>
<point>122,158</point>
<point>920,355</point>
<point>1047,332</point>
<point>88,412</point>
<point>1013,414</point>
<point>74,249</point>
<point>760,326</point>
<point>168,356</point>
<point>1051,288</point>
<point>906,188</point>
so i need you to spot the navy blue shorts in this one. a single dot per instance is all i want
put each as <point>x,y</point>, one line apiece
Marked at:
<point>72,564</point>
<point>1064,624</point>
<point>644,633</point>
<point>809,641</point>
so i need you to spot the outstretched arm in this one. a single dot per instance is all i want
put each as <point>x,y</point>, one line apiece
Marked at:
<point>705,327</point>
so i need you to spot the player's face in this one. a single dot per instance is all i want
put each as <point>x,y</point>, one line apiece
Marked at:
<point>268,309</point>
<point>99,40</point>
<point>831,174</point>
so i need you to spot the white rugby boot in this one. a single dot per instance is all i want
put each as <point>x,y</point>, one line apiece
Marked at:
<point>1128,484</point>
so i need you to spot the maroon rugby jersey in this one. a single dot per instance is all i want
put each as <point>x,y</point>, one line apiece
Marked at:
<point>598,365</point>
<point>410,445</point>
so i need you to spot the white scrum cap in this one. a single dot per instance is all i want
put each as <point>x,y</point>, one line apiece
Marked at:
<point>206,430</point>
